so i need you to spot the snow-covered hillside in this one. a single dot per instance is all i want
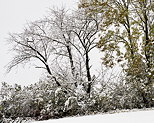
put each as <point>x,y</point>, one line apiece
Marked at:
<point>146,116</point>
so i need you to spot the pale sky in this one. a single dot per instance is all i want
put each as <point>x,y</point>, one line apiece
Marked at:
<point>14,14</point>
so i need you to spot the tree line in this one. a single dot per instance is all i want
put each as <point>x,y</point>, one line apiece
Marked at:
<point>123,30</point>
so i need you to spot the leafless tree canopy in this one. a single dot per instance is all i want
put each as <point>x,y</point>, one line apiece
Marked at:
<point>58,38</point>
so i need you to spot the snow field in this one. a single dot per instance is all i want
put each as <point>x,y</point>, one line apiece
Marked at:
<point>146,116</point>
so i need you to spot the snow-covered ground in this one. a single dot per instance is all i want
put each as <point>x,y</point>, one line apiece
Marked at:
<point>146,116</point>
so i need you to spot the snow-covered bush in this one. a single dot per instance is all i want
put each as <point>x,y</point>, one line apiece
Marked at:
<point>71,103</point>
<point>45,100</point>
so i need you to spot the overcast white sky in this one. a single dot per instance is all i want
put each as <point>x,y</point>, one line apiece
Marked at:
<point>13,15</point>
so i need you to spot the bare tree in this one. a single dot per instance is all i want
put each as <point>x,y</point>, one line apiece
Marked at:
<point>60,21</point>
<point>85,29</point>
<point>61,35</point>
<point>30,44</point>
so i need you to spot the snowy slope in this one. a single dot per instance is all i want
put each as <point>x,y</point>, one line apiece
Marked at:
<point>125,117</point>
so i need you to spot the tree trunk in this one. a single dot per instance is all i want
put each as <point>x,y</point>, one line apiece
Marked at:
<point>88,73</point>
<point>128,28</point>
<point>71,60</point>
<point>147,45</point>
<point>88,67</point>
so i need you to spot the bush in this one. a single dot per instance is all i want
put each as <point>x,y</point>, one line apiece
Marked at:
<point>44,100</point>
